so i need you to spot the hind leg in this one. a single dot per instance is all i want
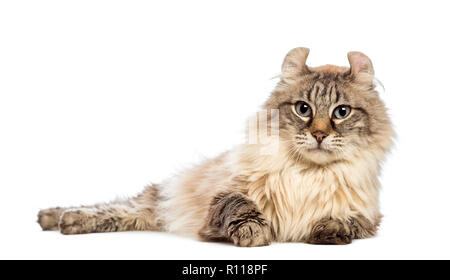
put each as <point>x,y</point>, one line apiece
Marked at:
<point>136,214</point>
<point>48,219</point>
<point>107,218</point>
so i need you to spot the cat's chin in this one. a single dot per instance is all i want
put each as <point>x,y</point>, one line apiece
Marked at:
<point>319,156</point>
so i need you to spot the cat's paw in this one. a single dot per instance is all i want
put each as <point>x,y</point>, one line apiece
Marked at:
<point>331,231</point>
<point>75,222</point>
<point>252,234</point>
<point>48,219</point>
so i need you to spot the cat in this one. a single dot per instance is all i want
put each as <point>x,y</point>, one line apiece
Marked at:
<point>320,185</point>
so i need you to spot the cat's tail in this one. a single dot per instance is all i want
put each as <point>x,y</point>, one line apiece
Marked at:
<point>139,213</point>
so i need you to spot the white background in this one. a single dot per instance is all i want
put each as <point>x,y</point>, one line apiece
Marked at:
<point>99,98</point>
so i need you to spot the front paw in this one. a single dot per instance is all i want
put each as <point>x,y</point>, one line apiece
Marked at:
<point>75,222</point>
<point>331,231</point>
<point>251,234</point>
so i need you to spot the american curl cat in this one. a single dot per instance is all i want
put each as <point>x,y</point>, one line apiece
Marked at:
<point>320,186</point>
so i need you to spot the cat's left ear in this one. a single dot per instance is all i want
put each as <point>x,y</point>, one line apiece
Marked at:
<point>294,63</point>
<point>361,67</point>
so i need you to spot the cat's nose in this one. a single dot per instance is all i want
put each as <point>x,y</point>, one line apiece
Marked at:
<point>319,135</point>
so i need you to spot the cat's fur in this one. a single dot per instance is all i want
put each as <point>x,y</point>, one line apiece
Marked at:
<point>298,193</point>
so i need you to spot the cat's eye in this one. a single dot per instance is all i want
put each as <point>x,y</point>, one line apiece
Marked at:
<point>342,111</point>
<point>303,109</point>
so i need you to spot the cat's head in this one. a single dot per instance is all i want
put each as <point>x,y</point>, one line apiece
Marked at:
<point>329,113</point>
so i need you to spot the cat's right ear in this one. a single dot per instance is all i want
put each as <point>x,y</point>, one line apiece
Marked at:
<point>294,63</point>
<point>361,68</point>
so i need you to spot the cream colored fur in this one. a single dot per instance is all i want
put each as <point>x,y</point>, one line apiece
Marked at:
<point>293,196</point>
<point>295,186</point>
<point>293,193</point>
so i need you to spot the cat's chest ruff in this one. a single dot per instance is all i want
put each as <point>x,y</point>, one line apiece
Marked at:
<point>294,198</point>
<point>299,186</point>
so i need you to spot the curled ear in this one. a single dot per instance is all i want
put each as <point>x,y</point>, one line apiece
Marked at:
<point>295,62</point>
<point>361,67</point>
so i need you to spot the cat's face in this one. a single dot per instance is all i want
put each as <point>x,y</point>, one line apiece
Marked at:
<point>329,113</point>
